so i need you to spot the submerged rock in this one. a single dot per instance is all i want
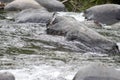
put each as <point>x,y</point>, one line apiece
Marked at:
<point>22,4</point>
<point>33,16</point>
<point>105,14</point>
<point>97,72</point>
<point>6,76</point>
<point>52,5</point>
<point>88,39</point>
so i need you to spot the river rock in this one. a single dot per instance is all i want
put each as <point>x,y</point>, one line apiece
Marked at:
<point>116,26</point>
<point>60,26</point>
<point>52,5</point>
<point>105,14</point>
<point>6,1</point>
<point>33,16</point>
<point>97,72</point>
<point>22,4</point>
<point>93,40</point>
<point>6,76</point>
<point>87,38</point>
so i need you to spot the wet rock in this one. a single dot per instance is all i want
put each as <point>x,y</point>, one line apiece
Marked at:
<point>6,76</point>
<point>106,13</point>
<point>22,4</point>
<point>6,1</point>
<point>91,24</point>
<point>60,26</point>
<point>116,26</point>
<point>97,72</point>
<point>52,5</point>
<point>58,19</point>
<point>93,40</point>
<point>33,16</point>
<point>88,39</point>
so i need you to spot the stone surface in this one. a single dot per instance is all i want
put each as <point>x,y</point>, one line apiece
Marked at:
<point>97,72</point>
<point>22,4</point>
<point>52,5</point>
<point>60,26</point>
<point>33,16</point>
<point>6,76</point>
<point>6,1</point>
<point>106,13</point>
<point>116,26</point>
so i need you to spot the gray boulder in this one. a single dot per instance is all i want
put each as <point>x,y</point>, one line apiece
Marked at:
<point>33,16</point>
<point>97,72</point>
<point>88,39</point>
<point>116,26</point>
<point>6,76</point>
<point>22,4</point>
<point>105,14</point>
<point>60,26</point>
<point>6,1</point>
<point>52,5</point>
<point>93,40</point>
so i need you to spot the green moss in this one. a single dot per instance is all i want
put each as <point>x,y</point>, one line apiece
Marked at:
<point>81,5</point>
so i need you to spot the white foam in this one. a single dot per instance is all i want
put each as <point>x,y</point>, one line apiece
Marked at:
<point>118,45</point>
<point>43,72</point>
<point>77,16</point>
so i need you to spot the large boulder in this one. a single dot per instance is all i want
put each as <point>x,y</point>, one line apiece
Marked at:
<point>93,40</point>
<point>88,39</point>
<point>97,72</point>
<point>52,5</point>
<point>33,16</point>
<point>105,14</point>
<point>6,76</point>
<point>22,4</point>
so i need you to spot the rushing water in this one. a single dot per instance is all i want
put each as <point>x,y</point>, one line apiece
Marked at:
<point>24,52</point>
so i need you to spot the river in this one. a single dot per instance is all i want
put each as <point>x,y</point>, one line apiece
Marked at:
<point>24,53</point>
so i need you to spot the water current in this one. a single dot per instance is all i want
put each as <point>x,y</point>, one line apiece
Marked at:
<point>25,53</point>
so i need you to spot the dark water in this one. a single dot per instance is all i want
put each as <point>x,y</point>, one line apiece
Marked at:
<point>29,53</point>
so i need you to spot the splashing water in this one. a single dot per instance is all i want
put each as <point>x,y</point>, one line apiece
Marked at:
<point>23,54</point>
